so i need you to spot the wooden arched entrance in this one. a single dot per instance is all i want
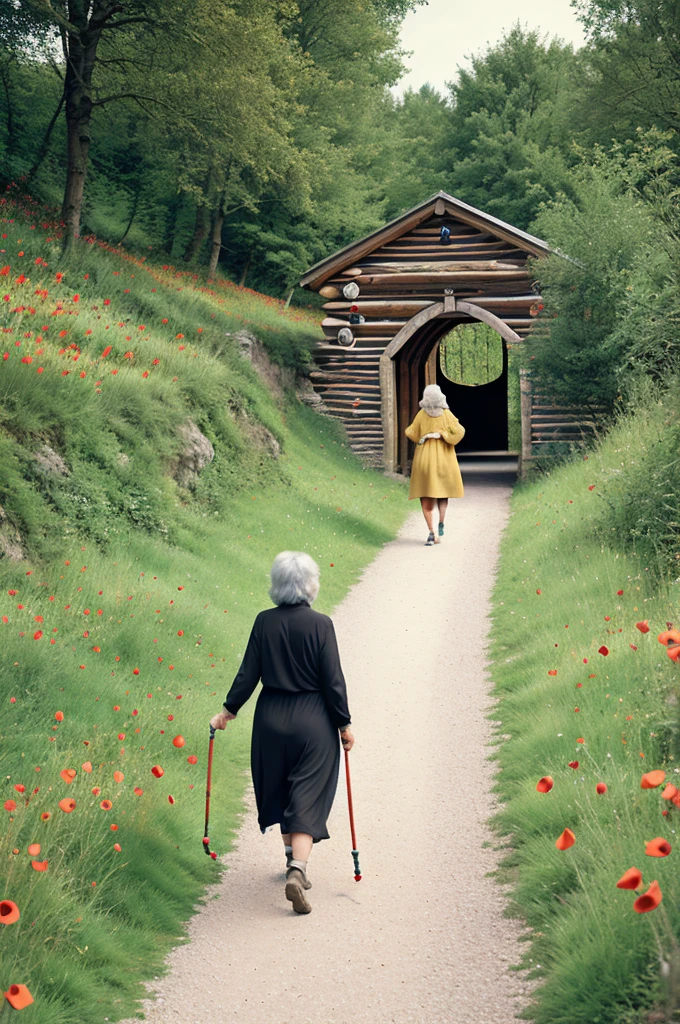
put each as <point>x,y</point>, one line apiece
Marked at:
<point>410,362</point>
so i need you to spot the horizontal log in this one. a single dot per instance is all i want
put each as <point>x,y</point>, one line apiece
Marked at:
<point>443,277</point>
<point>402,266</point>
<point>384,307</point>
<point>330,292</point>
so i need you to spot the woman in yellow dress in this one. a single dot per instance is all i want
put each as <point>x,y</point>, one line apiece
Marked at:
<point>435,476</point>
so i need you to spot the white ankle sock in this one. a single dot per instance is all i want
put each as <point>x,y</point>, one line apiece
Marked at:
<point>301,865</point>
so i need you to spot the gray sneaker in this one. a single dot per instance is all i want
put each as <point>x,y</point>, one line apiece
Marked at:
<point>430,540</point>
<point>296,883</point>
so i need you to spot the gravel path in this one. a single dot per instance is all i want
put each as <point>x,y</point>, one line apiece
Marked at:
<point>422,939</point>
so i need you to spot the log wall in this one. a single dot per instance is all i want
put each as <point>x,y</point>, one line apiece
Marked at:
<point>397,280</point>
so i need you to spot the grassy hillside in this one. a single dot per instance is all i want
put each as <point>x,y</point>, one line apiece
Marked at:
<point>124,622</point>
<point>587,698</point>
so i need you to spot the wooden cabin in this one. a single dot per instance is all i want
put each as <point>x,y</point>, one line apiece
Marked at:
<point>394,295</point>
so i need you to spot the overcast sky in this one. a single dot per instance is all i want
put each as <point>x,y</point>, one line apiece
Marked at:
<point>443,33</point>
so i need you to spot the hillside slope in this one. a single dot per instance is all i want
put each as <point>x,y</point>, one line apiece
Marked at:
<point>124,619</point>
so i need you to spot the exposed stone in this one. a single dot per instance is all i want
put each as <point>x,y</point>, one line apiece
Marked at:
<point>305,393</point>
<point>10,539</point>
<point>122,459</point>
<point>261,437</point>
<point>278,379</point>
<point>51,461</point>
<point>197,452</point>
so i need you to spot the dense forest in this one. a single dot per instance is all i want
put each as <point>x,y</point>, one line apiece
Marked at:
<point>263,134</point>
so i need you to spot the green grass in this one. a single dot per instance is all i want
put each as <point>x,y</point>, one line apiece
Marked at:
<point>171,579</point>
<point>556,604</point>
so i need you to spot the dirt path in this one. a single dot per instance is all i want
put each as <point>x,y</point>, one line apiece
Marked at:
<point>422,939</point>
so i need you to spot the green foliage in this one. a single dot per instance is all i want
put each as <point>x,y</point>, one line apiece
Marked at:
<point>558,600</point>
<point>471,354</point>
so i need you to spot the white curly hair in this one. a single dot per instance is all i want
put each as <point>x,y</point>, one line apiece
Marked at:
<point>434,400</point>
<point>294,578</point>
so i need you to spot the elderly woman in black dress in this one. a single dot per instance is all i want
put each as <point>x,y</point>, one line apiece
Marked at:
<point>295,753</point>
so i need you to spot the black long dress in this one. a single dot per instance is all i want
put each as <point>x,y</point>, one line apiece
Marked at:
<point>295,751</point>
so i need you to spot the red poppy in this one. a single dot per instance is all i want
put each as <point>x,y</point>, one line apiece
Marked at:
<point>603,650</point>
<point>574,764</point>
<point>138,791</point>
<point>135,671</point>
<point>643,626</point>
<point>669,793</point>
<point>658,847</point>
<point>545,784</point>
<point>59,716</point>
<point>117,847</point>
<point>650,780</point>
<point>566,840</point>
<point>552,671</point>
<point>106,805</point>
<point>10,805</point>
<point>118,777</point>
<point>9,912</point>
<point>18,996</point>
<point>649,900</point>
<point>20,788</point>
<point>157,771</point>
<point>68,775</point>
<point>34,849</point>
<point>39,865</point>
<point>192,759</point>
<point>601,788</point>
<point>630,879</point>
<point>178,741</point>
<point>67,805</point>
<point>87,766</point>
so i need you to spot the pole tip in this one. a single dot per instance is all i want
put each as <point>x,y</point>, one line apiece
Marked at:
<point>357,878</point>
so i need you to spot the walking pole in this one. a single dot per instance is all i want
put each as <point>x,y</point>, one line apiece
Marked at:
<point>206,840</point>
<point>355,852</point>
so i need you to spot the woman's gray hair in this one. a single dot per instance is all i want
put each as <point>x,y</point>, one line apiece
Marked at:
<point>295,578</point>
<point>434,400</point>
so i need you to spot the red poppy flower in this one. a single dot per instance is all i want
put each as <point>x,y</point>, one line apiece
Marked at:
<point>630,879</point>
<point>135,671</point>
<point>192,759</point>
<point>39,865</point>
<point>106,805</point>
<point>171,798</point>
<point>178,741</point>
<point>601,788</point>
<point>669,792</point>
<point>87,766</point>
<point>566,840</point>
<point>59,716</point>
<point>658,847</point>
<point>603,650</point>
<point>67,805</point>
<point>20,788</point>
<point>45,816</point>
<point>545,784</point>
<point>118,777</point>
<point>9,912</point>
<point>10,805</point>
<point>138,791</point>
<point>34,849</point>
<point>157,771</point>
<point>649,900</point>
<point>68,775</point>
<point>650,780</point>
<point>573,764</point>
<point>552,671</point>
<point>619,593</point>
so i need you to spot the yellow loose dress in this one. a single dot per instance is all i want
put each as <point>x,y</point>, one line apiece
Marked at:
<point>435,472</point>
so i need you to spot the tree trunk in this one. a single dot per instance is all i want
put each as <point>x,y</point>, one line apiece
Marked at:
<point>200,231</point>
<point>216,238</point>
<point>244,273</point>
<point>133,214</point>
<point>44,145</point>
<point>174,207</point>
<point>82,52</point>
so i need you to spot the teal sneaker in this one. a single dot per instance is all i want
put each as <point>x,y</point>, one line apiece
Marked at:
<point>441,529</point>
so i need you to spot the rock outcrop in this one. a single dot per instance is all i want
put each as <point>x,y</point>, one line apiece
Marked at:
<point>196,453</point>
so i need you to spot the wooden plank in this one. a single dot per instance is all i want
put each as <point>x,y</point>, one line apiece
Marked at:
<point>380,308</point>
<point>436,277</point>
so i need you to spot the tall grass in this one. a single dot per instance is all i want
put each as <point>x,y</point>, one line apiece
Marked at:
<point>570,583</point>
<point>132,607</point>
